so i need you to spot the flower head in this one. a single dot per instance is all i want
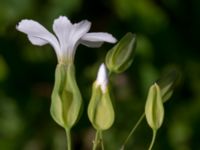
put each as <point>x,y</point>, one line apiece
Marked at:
<point>67,36</point>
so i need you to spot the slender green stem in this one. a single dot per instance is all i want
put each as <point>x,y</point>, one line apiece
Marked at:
<point>101,139</point>
<point>96,140</point>
<point>69,141</point>
<point>133,130</point>
<point>153,139</point>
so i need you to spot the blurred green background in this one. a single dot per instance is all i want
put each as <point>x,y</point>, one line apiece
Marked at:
<point>168,37</point>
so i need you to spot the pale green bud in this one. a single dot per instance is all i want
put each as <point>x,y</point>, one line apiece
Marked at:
<point>66,98</point>
<point>167,83</point>
<point>154,109</point>
<point>120,57</point>
<point>100,109</point>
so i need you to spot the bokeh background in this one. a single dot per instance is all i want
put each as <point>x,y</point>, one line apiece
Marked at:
<point>167,37</point>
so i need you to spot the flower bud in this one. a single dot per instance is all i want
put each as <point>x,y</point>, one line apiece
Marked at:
<point>154,109</point>
<point>120,57</point>
<point>66,97</point>
<point>100,110</point>
<point>167,83</point>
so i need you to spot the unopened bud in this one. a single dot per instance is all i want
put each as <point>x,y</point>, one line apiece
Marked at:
<point>154,109</point>
<point>100,110</point>
<point>120,57</point>
<point>167,83</point>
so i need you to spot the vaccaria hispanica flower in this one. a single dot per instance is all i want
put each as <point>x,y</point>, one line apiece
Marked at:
<point>100,109</point>
<point>66,97</point>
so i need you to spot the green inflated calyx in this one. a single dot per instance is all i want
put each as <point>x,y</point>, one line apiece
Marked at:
<point>100,110</point>
<point>66,97</point>
<point>154,110</point>
<point>120,57</point>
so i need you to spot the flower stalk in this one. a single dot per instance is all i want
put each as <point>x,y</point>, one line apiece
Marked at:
<point>153,140</point>
<point>69,141</point>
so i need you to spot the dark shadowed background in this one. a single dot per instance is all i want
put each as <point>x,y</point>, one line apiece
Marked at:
<point>167,37</point>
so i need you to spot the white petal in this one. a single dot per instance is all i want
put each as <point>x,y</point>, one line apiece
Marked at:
<point>80,29</point>
<point>102,78</point>
<point>36,40</point>
<point>97,38</point>
<point>69,34</point>
<point>91,44</point>
<point>62,27</point>
<point>37,34</point>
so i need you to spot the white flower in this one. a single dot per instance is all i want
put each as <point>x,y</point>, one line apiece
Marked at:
<point>67,36</point>
<point>102,78</point>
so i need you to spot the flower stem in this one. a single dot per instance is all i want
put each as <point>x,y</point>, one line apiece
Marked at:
<point>133,130</point>
<point>96,140</point>
<point>153,139</point>
<point>101,140</point>
<point>69,142</point>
